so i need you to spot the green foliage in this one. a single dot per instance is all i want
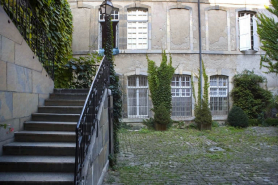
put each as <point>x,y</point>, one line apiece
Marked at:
<point>77,72</point>
<point>3,125</point>
<point>149,123</point>
<point>253,122</point>
<point>267,30</point>
<point>159,79</point>
<point>203,117</point>
<point>114,85</point>
<point>215,124</point>
<point>271,121</point>
<point>237,117</point>
<point>161,115</point>
<point>248,95</point>
<point>112,161</point>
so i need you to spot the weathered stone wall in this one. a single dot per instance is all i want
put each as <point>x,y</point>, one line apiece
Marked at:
<point>24,83</point>
<point>96,162</point>
<point>173,25</point>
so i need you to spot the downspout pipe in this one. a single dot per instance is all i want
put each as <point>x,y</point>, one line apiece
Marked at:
<point>200,49</point>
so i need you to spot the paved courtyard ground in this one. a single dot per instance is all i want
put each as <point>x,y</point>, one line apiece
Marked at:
<point>224,155</point>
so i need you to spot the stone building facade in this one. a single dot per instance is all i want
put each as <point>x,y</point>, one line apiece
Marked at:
<point>230,45</point>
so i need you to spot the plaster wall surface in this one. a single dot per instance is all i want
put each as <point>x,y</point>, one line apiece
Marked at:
<point>24,84</point>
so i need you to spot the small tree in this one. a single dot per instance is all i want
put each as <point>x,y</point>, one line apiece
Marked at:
<point>268,32</point>
<point>159,79</point>
<point>237,117</point>
<point>203,117</point>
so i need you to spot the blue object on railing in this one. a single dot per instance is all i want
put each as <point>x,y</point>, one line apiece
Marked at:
<point>115,51</point>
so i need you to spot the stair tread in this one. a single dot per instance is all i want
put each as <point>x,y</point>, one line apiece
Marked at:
<point>71,94</point>
<point>35,176</point>
<point>42,144</point>
<point>36,159</point>
<point>56,114</point>
<point>45,132</point>
<point>67,100</point>
<point>51,122</point>
<point>71,107</point>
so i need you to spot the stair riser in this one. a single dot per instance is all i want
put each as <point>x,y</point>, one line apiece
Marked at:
<point>60,110</point>
<point>67,97</point>
<point>44,138</point>
<point>35,182</point>
<point>48,127</point>
<point>63,103</point>
<point>36,167</point>
<point>57,118</point>
<point>41,151</point>
<point>56,91</point>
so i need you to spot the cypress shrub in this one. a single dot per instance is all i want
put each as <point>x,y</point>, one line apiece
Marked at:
<point>271,121</point>
<point>237,117</point>
<point>161,115</point>
<point>253,122</point>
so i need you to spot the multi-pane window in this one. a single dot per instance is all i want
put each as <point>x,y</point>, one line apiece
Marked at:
<point>181,96</point>
<point>249,39</point>
<point>115,26</point>
<point>137,29</point>
<point>137,101</point>
<point>219,95</point>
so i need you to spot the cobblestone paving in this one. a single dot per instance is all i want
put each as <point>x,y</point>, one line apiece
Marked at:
<point>183,156</point>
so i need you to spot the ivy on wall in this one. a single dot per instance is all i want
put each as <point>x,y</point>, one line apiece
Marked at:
<point>114,87</point>
<point>248,95</point>
<point>159,79</point>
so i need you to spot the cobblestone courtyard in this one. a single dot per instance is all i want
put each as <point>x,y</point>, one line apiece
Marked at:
<point>224,155</point>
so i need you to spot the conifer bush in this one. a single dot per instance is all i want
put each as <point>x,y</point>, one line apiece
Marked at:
<point>237,117</point>
<point>161,116</point>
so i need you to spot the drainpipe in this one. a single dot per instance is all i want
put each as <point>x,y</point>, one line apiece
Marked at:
<point>200,49</point>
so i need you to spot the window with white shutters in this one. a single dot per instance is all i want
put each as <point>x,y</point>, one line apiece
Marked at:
<point>248,36</point>
<point>181,96</point>
<point>137,29</point>
<point>137,101</point>
<point>219,95</point>
<point>102,29</point>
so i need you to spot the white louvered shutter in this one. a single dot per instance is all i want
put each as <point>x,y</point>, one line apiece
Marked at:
<point>244,33</point>
<point>255,35</point>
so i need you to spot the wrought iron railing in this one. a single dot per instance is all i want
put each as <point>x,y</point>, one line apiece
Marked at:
<point>88,119</point>
<point>28,24</point>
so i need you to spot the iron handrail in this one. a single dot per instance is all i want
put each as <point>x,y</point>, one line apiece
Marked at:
<point>88,119</point>
<point>30,27</point>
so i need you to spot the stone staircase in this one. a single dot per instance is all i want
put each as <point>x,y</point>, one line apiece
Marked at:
<point>44,152</point>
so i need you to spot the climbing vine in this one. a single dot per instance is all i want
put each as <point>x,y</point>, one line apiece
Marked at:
<point>159,79</point>
<point>248,95</point>
<point>114,86</point>
<point>203,117</point>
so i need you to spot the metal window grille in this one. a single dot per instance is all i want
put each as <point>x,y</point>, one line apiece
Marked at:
<point>219,95</point>
<point>137,97</point>
<point>137,29</point>
<point>181,96</point>
<point>252,14</point>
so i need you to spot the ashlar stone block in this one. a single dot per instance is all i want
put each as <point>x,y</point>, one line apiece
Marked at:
<point>42,83</point>
<point>7,50</point>
<point>24,56</point>
<point>19,79</point>
<point>3,75</point>
<point>6,105</point>
<point>24,104</point>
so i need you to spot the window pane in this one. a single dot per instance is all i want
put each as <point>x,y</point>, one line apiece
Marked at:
<point>132,81</point>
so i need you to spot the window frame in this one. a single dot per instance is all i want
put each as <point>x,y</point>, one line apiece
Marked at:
<point>137,87</point>
<point>252,41</point>
<point>137,29</point>
<point>178,85</point>
<point>217,100</point>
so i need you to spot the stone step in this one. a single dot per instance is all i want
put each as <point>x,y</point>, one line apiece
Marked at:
<point>61,109</point>
<point>39,178</point>
<point>37,163</point>
<point>55,117</point>
<point>39,148</point>
<point>68,96</point>
<point>44,136</point>
<point>71,91</point>
<point>49,126</point>
<point>59,102</point>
